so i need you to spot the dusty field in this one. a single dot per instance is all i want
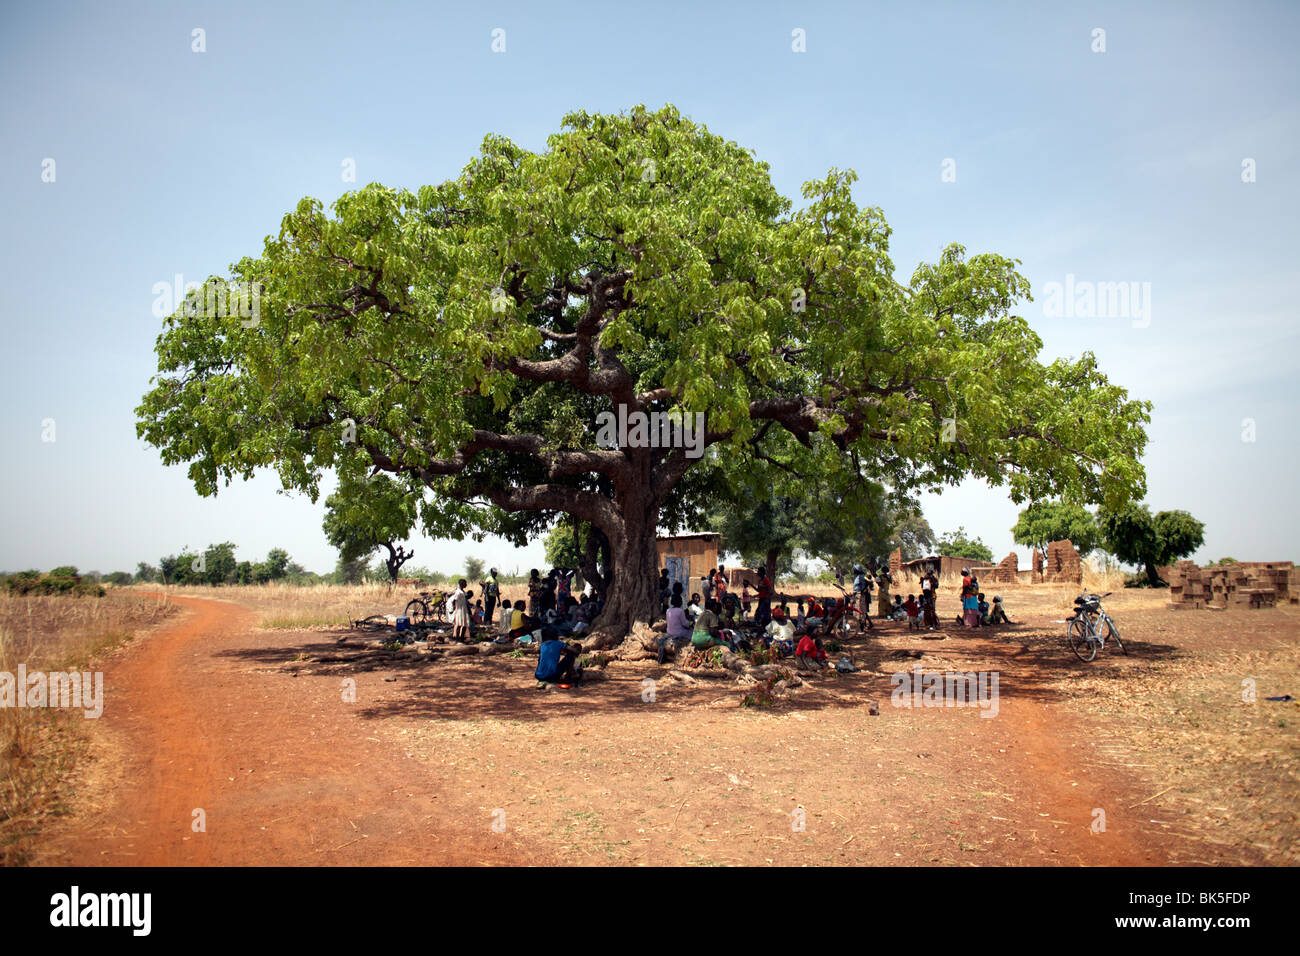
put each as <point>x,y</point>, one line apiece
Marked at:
<point>249,724</point>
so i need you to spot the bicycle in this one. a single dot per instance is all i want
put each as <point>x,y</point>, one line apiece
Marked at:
<point>427,607</point>
<point>1084,630</point>
<point>840,618</point>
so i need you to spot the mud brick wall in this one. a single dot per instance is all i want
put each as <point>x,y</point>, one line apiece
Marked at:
<point>1007,571</point>
<point>896,562</point>
<point>1063,564</point>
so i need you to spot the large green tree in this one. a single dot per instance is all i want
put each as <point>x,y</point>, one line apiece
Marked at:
<point>1046,521</point>
<point>1136,536</point>
<point>466,336</point>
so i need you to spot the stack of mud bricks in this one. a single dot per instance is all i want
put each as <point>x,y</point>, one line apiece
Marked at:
<point>1036,576</point>
<point>1005,572</point>
<point>1247,584</point>
<point>896,564</point>
<point>1063,564</point>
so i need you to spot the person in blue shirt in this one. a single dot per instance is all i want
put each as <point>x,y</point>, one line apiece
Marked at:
<point>557,662</point>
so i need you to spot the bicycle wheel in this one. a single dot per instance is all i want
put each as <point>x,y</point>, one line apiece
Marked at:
<point>437,608</point>
<point>417,611</point>
<point>1112,633</point>
<point>1076,633</point>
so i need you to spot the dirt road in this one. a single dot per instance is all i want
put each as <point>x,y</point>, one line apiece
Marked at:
<point>213,721</point>
<point>280,774</point>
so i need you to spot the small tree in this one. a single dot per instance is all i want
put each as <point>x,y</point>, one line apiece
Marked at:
<point>913,536</point>
<point>1046,521</point>
<point>1137,537</point>
<point>957,545</point>
<point>219,563</point>
<point>369,513</point>
<point>277,564</point>
<point>474,568</point>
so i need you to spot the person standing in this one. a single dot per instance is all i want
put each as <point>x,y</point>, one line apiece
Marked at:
<point>534,592</point>
<point>491,593</point>
<point>460,613</point>
<point>861,590</point>
<point>763,612</point>
<point>882,602</point>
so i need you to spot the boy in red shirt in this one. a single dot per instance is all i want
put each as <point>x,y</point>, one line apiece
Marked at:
<point>808,655</point>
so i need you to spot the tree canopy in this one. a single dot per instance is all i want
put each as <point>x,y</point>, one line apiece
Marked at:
<point>1135,536</point>
<point>370,512</point>
<point>464,338</point>
<point>1046,521</point>
<point>959,545</point>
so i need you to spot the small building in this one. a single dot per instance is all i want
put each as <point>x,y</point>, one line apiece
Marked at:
<point>688,557</point>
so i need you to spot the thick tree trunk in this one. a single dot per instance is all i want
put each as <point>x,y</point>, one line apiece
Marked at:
<point>771,564</point>
<point>1153,578</point>
<point>633,573</point>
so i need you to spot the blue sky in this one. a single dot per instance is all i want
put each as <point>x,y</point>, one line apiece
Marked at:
<point>1122,166</point>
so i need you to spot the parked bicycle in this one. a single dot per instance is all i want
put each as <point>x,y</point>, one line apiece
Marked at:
<point>427,607</point>
<point>1088,630</point>
<point>841,619</point>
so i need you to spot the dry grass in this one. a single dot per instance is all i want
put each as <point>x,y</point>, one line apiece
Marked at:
<point>39,747</point>
<point>301,607</point>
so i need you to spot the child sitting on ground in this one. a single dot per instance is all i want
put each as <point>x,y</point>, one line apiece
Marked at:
<point>809,655</point>
<point>896,610</point>
<point>913,612</point>
<point>520,623</point>
<point>983,608</point>
<point>557,662</point>
<point>780,634</point>
<point>999,614</point>
<point>503,622</point>
<point>800,620</point>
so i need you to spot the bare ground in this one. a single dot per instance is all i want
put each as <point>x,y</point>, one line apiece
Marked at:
<point>463,761</point>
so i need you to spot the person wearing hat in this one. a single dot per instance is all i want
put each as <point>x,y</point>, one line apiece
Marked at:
<point>491,592</point>
<point>780,632</point>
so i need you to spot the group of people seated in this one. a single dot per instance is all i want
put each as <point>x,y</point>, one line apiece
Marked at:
<point>720,617</point>
<point>975,609</point>
<point>566,617</point>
